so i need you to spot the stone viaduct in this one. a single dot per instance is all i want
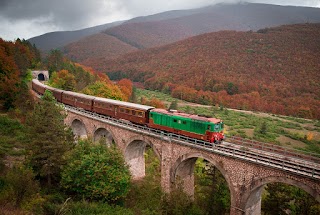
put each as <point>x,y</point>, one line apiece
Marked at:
<point>245,179</point>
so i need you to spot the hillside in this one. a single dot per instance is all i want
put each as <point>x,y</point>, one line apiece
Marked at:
<point>97,46</point>
<point>58,39</point>
<point>172,26</point>
<point>274,70</point>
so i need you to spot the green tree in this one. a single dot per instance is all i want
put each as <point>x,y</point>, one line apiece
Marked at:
<point>281,198</point>
<point>133,97</point>
<point>263,128</point>
<point>96,172</point>
<point>19,186</point>
<point>173,105</point>
<point>177,202</point>
<point>212,192</point>
<point>49,139</point>
<point>231,88</point>
<point>54,61</point>
<point>277,199</point>
<point>12,133</point>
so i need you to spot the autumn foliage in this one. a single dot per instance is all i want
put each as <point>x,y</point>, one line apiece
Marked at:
<point>15,58</point>
<point>63,80</point>
<point>154,102</point>
<point>70,76</point>
<point>104,90</point>
<point>273,70</point>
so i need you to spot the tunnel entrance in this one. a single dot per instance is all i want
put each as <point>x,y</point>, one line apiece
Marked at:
<point>41,77</point>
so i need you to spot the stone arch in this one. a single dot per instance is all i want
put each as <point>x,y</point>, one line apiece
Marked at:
<point>134,156</point>
<point>251,200</point>
<point>183,169</point>
<point>100,133</point>
<point>79,129</point>
<point>41,77</point>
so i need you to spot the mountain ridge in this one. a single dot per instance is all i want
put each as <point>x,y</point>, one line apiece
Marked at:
<point>239,17</point>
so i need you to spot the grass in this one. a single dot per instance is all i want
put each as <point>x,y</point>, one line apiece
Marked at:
<point>296,133</point>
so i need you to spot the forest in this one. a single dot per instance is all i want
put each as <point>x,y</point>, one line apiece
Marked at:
<point>40,163</point>
<point>274,70</point>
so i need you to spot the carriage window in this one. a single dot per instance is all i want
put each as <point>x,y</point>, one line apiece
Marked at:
<point>133,112</point>
<point>184,122</point>
<point>127,111</point>
<point>174,120</point>
<point>122,110</point>
<point>140,114</point>
<point>209,127</point>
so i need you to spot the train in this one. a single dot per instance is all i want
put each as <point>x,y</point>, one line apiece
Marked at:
<point>194,126</point>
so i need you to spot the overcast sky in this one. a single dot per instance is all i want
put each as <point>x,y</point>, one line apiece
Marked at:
<point>29,18</point>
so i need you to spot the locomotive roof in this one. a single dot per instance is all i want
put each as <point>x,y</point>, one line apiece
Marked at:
<point>121,103</point>
<point>191,116</point>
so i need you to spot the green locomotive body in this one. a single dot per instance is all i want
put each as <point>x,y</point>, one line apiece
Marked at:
<point>199,127</point>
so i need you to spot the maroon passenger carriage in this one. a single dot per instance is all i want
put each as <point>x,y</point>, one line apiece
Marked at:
<point>135,113</point>
<point>41,88</point>
<point>78,100</point>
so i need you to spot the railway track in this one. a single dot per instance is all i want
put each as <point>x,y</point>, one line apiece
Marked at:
<point>255,152</point>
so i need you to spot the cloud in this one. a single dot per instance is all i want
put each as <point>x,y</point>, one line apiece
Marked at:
<point>28,18</point>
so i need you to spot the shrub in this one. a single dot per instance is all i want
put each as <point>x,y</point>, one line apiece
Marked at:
<point>96,172</point>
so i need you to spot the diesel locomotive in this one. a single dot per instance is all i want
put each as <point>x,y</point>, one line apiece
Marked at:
<point>194,126</point>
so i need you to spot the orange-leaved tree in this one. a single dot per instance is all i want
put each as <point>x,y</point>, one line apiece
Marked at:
<point>63,80</point>
<point>105,90</point>
<point>126,87</point>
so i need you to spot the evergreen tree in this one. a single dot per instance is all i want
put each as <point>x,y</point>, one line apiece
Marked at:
<point>173,105</point>
<point>263,128</point>
<point>54,61</point>
<point>49,139</point>
<point>133,97</point>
